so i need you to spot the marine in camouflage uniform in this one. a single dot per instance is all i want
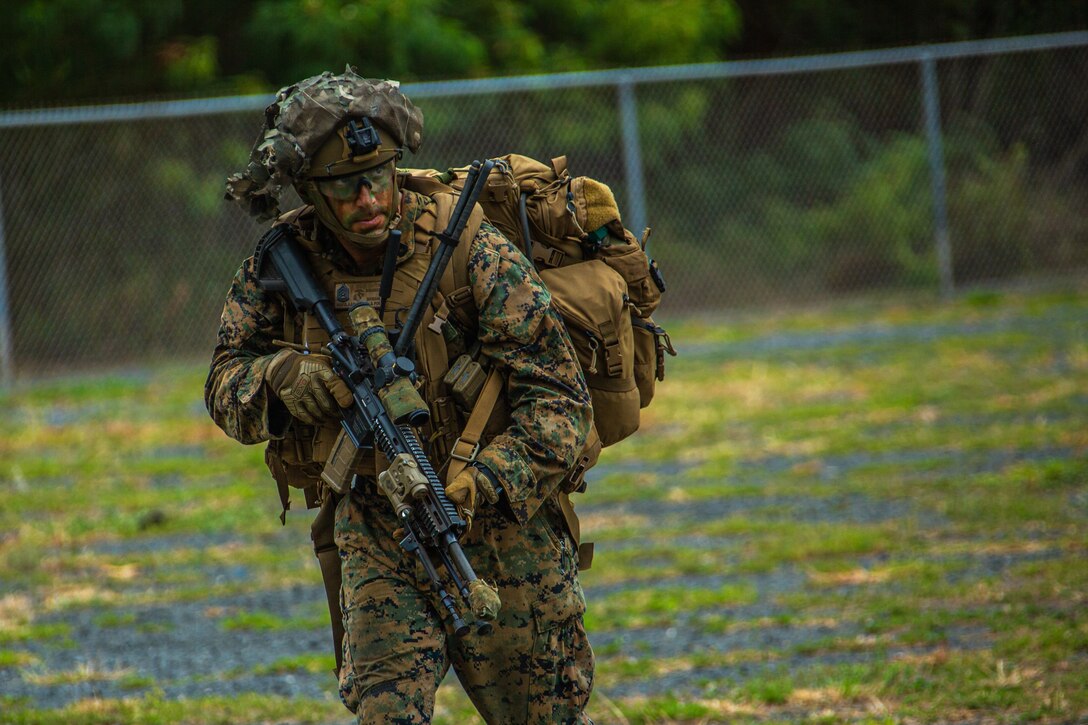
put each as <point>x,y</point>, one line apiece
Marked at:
<point>536,665</point>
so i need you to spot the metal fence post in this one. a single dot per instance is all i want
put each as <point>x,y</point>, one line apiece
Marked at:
<point>635,215</point>
<point>932,102</point>
<point>7,356</point>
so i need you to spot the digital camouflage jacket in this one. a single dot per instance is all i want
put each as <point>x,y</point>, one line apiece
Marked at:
<point>518,331</point>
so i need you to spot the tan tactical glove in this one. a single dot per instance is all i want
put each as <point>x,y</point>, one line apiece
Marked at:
<point>308,387</point>
<point>463,488</point>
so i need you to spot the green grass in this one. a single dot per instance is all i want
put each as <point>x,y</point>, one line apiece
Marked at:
<point>15,658</point>
<point>261,621</point>
<point>155,710</point>
<point>25,632</point>
<point>661,605</point>
<point>308,663</point>
<point>911,521</point>
<point>768,691</point>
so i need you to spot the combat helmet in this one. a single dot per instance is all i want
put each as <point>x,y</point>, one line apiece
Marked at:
<point>323,127</point>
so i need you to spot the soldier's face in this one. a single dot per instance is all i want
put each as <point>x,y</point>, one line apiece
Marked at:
<point>362,202</point>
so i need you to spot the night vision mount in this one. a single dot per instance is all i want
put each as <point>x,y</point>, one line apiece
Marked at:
<point>362,140</point>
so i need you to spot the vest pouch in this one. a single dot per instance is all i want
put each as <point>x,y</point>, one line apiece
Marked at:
<point>592,300</point>
<point>464,380</point>
<point>342,464</point>
<point>298,459</point>
<point>289,472</point>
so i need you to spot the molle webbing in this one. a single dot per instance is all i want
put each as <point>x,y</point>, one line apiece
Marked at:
<point>291,459</point>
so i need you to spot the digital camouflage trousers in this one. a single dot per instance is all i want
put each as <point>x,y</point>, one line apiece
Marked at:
<point>535,666</point>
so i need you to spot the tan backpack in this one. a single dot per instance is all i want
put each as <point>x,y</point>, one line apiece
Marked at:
<point>600,279</point>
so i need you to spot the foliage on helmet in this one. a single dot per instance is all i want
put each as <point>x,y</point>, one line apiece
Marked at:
<point>299,121</point>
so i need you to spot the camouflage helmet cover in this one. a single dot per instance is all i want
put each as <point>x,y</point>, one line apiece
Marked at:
<point>301,119</point>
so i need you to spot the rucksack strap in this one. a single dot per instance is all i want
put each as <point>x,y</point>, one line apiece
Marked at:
<point>585,551</point>
<point>468,444</point>
<point>547,257</point>
<point>454,287</point>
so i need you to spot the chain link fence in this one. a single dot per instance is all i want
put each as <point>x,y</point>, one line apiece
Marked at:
<point>764,182</point>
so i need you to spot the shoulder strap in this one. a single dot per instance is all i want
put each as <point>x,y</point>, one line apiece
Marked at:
<point>454,287</point>
<point>302,219</point>
<point>427,182</point>
<point>292,217</point>
<point>468,444</point>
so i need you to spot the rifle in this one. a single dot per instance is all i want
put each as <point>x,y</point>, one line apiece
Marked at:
<point>386,405</point>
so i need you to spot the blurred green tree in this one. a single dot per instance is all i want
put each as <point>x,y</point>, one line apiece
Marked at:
<point>783,27</point>
<point>60,51</point>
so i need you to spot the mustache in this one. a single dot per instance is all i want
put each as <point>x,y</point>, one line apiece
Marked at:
<point>361,215</point>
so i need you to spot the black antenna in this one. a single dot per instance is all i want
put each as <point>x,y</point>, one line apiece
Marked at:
<point>448,239</point>
<point>392,251</point>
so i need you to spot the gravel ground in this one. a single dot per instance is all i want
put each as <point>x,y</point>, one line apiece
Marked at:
<point>180,647</point>
<point>854,509</point>
<point>709,680</point>
<point>1051,325</point>
<point>184,649</point>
